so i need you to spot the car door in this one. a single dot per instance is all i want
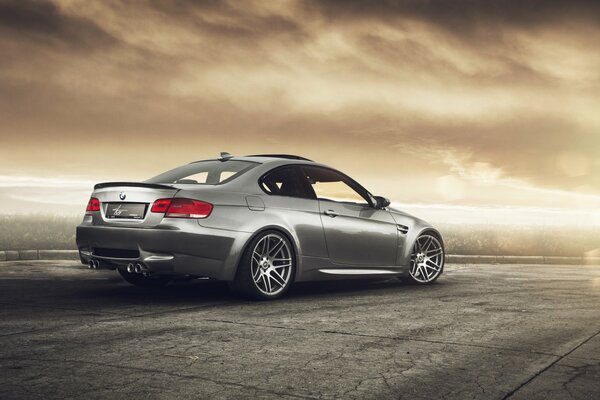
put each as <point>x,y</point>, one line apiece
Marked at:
<point>294,204</point>
<point>356,233</point>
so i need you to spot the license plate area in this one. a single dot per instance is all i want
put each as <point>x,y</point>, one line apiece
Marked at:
<point>126,210</point>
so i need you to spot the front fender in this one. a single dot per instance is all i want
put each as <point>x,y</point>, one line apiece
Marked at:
<point>416,227</point>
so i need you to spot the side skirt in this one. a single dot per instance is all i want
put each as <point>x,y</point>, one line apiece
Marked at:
<point>353,271</point>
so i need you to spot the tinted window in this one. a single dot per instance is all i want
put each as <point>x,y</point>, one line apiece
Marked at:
<point>334,186</point>
<point>287,181</point>
<point>210,172</point>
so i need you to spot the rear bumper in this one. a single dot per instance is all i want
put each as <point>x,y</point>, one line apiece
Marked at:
<point>204,252</point>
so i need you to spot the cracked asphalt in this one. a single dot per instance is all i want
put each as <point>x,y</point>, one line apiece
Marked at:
<point>481,332</point>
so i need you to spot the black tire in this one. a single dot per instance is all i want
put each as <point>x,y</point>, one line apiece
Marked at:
<point>140,280</point>
<point>435,246</point>
<point>249,268</point>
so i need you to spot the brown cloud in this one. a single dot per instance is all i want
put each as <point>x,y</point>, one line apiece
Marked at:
<point>466,18</point>
<point>45,24</point>
<point>503,86</point>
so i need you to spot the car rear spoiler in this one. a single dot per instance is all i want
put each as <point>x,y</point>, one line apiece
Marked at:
<point>132,184</point>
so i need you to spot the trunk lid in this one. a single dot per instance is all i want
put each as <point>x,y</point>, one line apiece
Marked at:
<point>128,204</point>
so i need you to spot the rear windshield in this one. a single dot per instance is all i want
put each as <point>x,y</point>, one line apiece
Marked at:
<point>211,172</point>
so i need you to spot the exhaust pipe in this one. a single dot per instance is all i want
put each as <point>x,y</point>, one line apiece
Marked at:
<point>91,264</point>
<point>130,268</point>
<point>96,264</point>
<point>138,268</point>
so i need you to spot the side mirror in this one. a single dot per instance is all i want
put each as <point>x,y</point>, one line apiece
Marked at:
<point>381,202</point>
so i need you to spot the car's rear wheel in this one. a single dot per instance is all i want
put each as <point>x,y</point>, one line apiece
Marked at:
<point>267,267</point>
<point>426,260</point>
<point>145,281</point>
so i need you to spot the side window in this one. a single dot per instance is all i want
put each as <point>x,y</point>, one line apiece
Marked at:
<point>333,186</point>
<point>287,181</point>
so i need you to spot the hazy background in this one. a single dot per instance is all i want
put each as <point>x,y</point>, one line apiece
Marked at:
<point>478,113</point>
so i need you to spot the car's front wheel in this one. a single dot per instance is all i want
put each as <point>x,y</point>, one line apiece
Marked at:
<point>267,267</point>
<point>145,281</point>
<point>426,260</point>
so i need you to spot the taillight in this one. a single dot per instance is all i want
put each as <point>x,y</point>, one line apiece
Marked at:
<point>93,205</point>
<point>161,206</point>
<point>182,208</point>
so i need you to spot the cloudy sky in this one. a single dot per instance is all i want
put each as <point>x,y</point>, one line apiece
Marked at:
<point>450,103</point>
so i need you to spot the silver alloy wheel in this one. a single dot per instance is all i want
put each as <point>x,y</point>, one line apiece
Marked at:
<point>271,264</point>
<point>427,259</point>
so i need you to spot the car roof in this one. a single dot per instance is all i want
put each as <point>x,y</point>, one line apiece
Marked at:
<point>284,156</point>
<point>264,158</point>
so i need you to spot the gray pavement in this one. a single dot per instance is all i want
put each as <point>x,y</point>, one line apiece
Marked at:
<point>482,332</point>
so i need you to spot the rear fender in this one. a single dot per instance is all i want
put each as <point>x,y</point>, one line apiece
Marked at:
<point>242,244</point>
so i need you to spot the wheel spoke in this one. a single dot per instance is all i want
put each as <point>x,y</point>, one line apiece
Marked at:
<point>429,266</point>
<point>427,243</point>
<point>420,271</point>
<point>277,278</point>
<point>435,267</point>
<point>434,252</point>
<point>415,269</point>
<point>260,248</point>
<point>256,275</point>
<point>276,248</point>
<point>264,280</point>
<point>418,246</point>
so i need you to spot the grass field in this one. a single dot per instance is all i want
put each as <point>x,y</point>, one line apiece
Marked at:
<point>521,240</point>
<point>22,232</point>
<point>47,232</point>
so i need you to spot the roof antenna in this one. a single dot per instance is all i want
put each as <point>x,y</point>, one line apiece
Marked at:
<point>224,156</point>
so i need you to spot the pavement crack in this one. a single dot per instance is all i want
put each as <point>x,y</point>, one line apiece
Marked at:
<point>24,332</point>
<point>115,317</point>
<point>366,335</point>
<point>181,310</point>
<point>172,374</point>
<point>547,367</point>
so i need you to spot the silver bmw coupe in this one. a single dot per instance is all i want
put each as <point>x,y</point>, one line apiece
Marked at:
<point>259,222</point>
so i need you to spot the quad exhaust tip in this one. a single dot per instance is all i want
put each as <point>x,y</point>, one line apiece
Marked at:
<point>138,268</point>
<point>132,268</point>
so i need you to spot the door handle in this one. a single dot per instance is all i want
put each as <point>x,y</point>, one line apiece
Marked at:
<point>331,213</point>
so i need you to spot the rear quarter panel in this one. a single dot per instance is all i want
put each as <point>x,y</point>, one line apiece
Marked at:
<point>241,212</point>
